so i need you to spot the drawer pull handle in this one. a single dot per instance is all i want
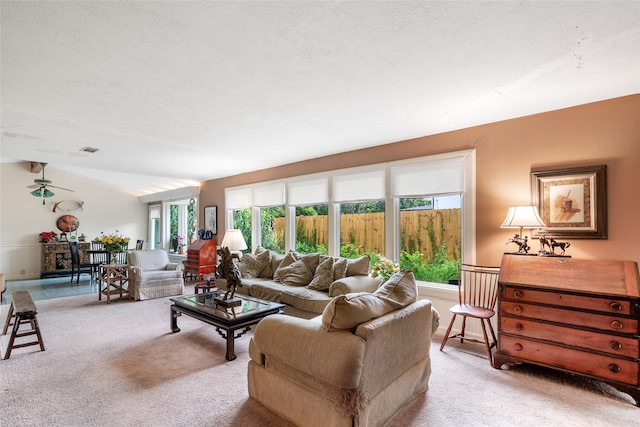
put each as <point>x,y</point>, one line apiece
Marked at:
<point>517,294</point>
<point>517,309</point>
<point>518,347</point>
<point>519,327</point>
<point>615,306</point>
<point>616,324</point>
<point>615,345</point>
<point>614,368</point>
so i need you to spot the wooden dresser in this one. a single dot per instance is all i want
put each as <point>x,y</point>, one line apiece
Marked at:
<point>580,316</point>
<point>201,259</point>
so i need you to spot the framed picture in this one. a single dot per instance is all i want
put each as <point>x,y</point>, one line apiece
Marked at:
<point>572,202</point>
<point>211,219</point>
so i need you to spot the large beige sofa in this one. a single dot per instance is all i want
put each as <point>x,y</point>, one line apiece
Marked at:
<point>358,364</point>
<point>151,275</point>
<point>306,283</point>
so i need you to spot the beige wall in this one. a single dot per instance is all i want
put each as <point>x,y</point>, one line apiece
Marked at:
<point>605,132</point>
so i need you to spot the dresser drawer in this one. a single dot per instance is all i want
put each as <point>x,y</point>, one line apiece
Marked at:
<point>574,360</point>
<point>602,322</point>
<point>605,305</point>
<point>601,342</point>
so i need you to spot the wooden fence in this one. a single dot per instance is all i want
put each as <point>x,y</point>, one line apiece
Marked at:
<point>366,231</point>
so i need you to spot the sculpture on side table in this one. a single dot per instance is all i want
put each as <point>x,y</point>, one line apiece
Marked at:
<point>229,271</point>
<point>522,242</point>
<point>551,244</point>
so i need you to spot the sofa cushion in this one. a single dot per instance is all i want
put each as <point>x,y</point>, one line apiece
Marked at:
<point>253,265</point>
<point>348,311</point>
<point>323,276</point>
<point>340,268</point>
<point>305,299</point>
<point>296,274</point>
<point>400,288</point>
<point>358,266</point>
<point>288,259</point>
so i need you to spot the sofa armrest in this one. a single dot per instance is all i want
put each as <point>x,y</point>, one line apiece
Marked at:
<point>174,266</point>
<point>334,357</point>
<point>352,284</point>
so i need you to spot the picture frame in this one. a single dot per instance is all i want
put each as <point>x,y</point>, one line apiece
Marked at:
<point>211,219</point>
<point>572,202</point>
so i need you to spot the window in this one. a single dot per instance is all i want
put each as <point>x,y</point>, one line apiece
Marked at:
<point>270,236</point>
<point>362,229</point>
<point>242,222</point>
<point>430,237</point>
<point>311,228</point>
<point>418,212</point>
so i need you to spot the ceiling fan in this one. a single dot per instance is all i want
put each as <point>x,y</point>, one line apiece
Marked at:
<point>41,185</point>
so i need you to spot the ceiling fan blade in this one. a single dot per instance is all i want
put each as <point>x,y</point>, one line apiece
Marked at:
<point>33,186</point>
<point>59,188</point>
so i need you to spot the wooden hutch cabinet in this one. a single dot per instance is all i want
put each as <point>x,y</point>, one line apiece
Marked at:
<point>201,259</point>
<point>576,315</point>
<point>55,258</point>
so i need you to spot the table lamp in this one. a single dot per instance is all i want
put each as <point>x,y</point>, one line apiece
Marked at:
<point>234,240</point>
<point>522,217</point>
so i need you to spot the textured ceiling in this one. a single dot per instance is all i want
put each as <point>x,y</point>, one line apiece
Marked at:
<point>175,92</point>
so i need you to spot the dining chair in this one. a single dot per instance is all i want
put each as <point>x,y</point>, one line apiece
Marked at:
<point>98,256</point>
<point>477,295</point>
<point>78,267</point>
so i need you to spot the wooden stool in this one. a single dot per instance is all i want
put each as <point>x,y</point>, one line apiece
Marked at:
<point>22,310</point>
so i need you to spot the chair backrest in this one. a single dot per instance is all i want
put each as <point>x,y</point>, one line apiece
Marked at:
<point>478,285</point>
<point>75,253</point>
<point>99,257</point>
<point>139,244</point>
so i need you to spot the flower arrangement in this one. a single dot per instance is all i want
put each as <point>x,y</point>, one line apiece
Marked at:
<point>113,243</point>
<point>384,268</point>
<point>47,236</point>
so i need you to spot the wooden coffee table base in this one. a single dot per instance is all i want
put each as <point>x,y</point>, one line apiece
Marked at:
<point>227,330</point>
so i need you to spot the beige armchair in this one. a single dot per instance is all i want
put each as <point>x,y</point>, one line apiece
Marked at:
<point>358,364</point>
<point>151,275</point>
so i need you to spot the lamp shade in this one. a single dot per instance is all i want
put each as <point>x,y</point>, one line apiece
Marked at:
<point>234,240</point>
<point>523,217</point>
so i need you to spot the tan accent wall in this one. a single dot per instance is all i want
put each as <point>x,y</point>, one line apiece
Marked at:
<point>606,132</point>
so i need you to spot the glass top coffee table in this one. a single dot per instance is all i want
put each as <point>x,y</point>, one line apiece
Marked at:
<point>227,320</point>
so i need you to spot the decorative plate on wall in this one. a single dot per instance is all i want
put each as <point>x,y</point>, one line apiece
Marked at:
<point>67,223</point>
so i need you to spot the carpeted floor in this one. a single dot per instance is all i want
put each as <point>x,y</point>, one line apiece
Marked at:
<point>119,365</point>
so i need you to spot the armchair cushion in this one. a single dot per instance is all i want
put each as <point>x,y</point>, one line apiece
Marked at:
<point>349,310</point>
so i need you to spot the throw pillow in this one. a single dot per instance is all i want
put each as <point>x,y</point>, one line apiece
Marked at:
<point>340,268</point>
<point>401,288</point>
<point>348,311</point>
<point>358,266</point>
<point>295,274</point>
<point>253,265</point>
<point>323,276</point>
<point>267,271</point>
<point>288,259</point>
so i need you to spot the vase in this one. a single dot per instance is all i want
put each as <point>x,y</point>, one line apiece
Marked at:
<point>113,258</point>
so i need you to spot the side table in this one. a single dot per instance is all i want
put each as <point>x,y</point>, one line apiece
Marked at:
<point>205,286</point>
<point>113,279</point>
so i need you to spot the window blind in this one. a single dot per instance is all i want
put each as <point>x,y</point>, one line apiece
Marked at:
<point>359,186</point>
<point>435,177</point>
<point>237,198</point>
<point>268,194</point>
<point>309,192</point>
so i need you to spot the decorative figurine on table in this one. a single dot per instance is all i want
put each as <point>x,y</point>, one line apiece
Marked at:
<point>522,242</point>
<point>229,271</point>
<point>551,244</point>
